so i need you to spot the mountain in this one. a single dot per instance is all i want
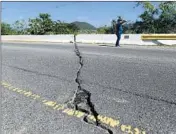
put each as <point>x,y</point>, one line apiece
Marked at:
<point>84,25</point>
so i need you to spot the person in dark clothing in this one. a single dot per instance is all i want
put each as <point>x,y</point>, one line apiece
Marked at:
<point>119,30</point>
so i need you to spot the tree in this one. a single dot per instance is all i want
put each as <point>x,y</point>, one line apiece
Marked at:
<point>35,26</point>
<point>128,28</point>
<point>167,18</point>
<point>113,25</point>
<point>41,25</point>
<point>44,25</point>
<point>46,22</point>
<point>105,30</point>
<point>6,29</point>
<point>157,20</point>
<point>148,17</point>
<point>60,28</point>
<point>20,26</point>
<point>73,28</point>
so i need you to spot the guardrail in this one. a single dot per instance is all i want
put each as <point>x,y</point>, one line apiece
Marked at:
<point>158,37</point>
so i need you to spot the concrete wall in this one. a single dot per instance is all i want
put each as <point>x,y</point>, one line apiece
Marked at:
<point>127,39</point>
<point>111,39</point>
<point>40,38</point>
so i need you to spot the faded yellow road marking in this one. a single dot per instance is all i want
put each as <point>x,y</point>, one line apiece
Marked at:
<point>54,105</point>
<point>109,121</point>
<point>50,103</point>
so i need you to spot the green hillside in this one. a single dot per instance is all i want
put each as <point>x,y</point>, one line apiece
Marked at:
<point>84,25</point>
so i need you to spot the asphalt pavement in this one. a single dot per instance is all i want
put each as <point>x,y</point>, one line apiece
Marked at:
<point>134,86</point>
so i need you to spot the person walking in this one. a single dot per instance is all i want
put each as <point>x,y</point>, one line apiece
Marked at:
<point>119,30</point>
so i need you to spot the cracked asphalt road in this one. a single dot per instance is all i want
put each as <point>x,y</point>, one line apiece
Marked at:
<point>135,85</point>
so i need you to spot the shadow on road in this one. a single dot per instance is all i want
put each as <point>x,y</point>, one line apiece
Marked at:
<point>106,46</point>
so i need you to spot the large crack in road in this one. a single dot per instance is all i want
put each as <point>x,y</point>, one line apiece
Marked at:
<point>81,99</point>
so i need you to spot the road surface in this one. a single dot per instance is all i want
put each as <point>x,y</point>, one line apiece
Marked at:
<point>133,87</point>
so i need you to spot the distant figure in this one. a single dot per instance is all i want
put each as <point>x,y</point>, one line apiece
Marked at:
<point>119,30</point>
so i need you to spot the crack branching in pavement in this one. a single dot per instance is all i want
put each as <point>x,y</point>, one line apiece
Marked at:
<point>81,99</point>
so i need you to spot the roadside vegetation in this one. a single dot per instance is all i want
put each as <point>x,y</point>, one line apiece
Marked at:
<point>160,19</point>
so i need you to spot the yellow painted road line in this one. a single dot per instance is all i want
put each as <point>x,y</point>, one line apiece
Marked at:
<point>114,123</point>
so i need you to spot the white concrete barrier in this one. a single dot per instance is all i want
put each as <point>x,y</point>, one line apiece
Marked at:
<point>167,42</point>
<point>39,38</point>
<point>96,38</point>
<point>126,39</point>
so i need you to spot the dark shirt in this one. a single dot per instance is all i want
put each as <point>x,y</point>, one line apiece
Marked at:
<point>119,28</point>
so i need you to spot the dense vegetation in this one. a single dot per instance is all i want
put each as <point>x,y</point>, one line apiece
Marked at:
<point>161,19</point>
